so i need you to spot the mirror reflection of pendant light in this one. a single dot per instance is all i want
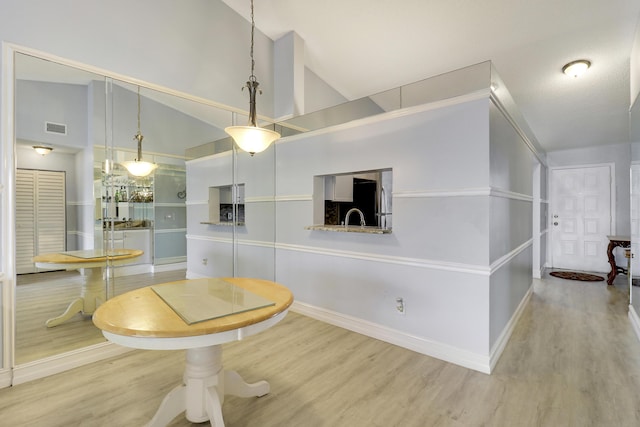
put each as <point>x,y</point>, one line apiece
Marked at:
<point>139,167</point>
<point>252,138</point>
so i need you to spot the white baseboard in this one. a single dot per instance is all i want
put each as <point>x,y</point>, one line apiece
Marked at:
<point>467,359</point>
<point>5,378</point>
<point>66,361</point>
<point>192,275</point>
<point>128,270</point>
<point>538,274</point>
<point>503,339</point>
<point>635,321</point>
<point>159,268</point>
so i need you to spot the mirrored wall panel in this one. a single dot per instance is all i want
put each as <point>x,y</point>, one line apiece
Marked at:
<point>59,118</point>
<point>634,122</point>
<point>90,225</point>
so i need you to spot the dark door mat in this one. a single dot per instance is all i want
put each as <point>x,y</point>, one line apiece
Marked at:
<point>572,275</point>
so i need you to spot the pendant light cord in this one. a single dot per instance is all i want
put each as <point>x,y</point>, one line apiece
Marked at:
<point>138,136</point>
<point>252,83</point>
<point>252,77</point>
<point>138,109</point>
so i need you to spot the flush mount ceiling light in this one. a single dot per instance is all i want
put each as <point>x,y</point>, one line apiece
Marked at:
<point>43,150</point>
<point>576,68</point>
<point>252,138</point>
<point>139,167</point>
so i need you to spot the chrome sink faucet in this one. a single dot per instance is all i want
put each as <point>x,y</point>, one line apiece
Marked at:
<point>349,212</point>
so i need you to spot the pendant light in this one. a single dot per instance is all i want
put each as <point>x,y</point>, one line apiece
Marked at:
<point>252,138</point>
<point>139,167</point>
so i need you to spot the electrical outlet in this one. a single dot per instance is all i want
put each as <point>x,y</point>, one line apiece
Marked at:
<point>400,307</point>
<point>205,261</point>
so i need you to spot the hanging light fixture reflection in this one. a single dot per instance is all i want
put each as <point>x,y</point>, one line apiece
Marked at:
<point>139,167</point>
<point>252,138</point>
<point>43,150</point>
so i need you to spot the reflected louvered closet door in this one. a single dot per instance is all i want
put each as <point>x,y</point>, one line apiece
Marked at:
<point>25,220</point>
<point>40,216</point>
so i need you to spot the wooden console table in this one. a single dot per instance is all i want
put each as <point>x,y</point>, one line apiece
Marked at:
<point>615,241</point>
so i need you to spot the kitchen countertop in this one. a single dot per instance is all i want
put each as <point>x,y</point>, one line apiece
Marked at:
<point>350,229</point>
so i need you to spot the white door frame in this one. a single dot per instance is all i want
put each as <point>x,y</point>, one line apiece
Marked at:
<point>552,202</point>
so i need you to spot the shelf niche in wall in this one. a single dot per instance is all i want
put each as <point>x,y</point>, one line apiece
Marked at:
<point>221,204</point>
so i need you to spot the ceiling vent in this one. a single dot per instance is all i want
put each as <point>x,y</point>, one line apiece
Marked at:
<point>56,128</point>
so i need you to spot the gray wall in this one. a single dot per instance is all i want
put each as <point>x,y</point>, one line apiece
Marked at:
<point>440,158</point>
<point>211,248</point>
<point>201,50</point>
<point>511,222</point>
<point>165,130</point>
<point>40,102</point>
<point>451,233</point>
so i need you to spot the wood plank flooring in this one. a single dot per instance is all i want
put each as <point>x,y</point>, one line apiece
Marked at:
<point>573,360</point>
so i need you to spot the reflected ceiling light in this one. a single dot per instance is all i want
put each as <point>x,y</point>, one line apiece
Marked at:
<point>139,167</point>
<point>576,68</point>
<point>43,150</point>
<point>252,138</point>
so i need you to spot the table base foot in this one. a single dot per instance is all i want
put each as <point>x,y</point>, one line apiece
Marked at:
<point>205,385</point>
<point>172,405</point>
<point>91,297</point>
<point>76,306</point>
<point>234,385</point>
<point>213,407</point>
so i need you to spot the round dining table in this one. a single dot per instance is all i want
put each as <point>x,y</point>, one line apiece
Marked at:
<point>159,317</point>
<point>93,262</point>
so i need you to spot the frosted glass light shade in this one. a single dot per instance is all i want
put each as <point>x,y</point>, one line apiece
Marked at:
<point>576,68</point>
<point>42,150</point>
<point>252,139</point>
<point>139,167</point>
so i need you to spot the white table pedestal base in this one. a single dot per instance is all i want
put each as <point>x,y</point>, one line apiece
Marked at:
<point>204,388</point>
<point>91,296</point>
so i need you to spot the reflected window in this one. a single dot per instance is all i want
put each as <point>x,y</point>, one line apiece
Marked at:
<point>221,204</point>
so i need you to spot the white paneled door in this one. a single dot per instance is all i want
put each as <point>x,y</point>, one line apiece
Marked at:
<point>581,217</point>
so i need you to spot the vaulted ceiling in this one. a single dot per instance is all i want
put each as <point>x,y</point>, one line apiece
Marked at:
<point>361,47</point>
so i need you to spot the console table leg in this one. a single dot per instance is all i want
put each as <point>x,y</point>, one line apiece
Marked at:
<point>612,262</point>
<point>172,405</point>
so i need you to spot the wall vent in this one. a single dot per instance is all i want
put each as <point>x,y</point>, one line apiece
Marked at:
<point>56,128</point>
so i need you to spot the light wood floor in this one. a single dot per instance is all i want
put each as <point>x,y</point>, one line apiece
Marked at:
<point>573,360</point>
<point>42,296</point>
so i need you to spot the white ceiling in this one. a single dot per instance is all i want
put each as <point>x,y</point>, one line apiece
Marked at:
<point>361,47</point>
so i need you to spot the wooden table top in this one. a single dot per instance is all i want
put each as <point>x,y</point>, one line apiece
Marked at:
<point>62,258</point>
<point>619,238</point>
<point>142,313</point>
